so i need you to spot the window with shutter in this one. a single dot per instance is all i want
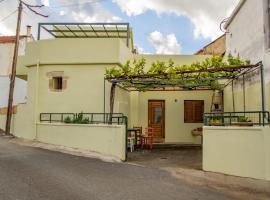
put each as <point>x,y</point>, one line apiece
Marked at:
<point>193,111</point>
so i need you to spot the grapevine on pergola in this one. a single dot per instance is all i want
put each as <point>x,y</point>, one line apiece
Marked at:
<point>163,75</point>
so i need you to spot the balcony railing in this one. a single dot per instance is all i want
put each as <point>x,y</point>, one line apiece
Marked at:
<point>91,118</point>
<point>252,118</point>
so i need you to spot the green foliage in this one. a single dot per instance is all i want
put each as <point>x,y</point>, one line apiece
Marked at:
<point>79,119</point>
<point>136,68</point>
<point>243,119</point>
<point>68,120</point>
<point>158,67</point>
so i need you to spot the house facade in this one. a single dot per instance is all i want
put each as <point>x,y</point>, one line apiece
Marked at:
<point>66,75</point>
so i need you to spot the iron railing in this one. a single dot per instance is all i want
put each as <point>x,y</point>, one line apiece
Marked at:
<point>93,118</point>
<point>252,118</point>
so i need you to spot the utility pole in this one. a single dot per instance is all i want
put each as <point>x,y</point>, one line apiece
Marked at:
<point>14,62</point>
<point>13,71</point>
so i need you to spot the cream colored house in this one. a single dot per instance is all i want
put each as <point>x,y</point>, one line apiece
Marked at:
<point>65,74</point>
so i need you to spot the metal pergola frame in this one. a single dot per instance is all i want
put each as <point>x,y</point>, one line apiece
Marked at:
<point>86,30</point>
<point>157,82</point>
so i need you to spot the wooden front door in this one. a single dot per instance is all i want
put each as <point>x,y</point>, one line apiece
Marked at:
<point>156,118</point>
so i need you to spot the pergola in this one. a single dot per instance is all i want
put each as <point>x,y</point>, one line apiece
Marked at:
<point>188,80</point>
<point>86,30</point>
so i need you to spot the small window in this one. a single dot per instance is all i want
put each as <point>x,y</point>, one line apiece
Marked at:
<point>57,83</point>
<point>194,110</point>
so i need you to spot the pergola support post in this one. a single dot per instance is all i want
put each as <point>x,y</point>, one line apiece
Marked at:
<point>244,92</point>
<point>233,100</point>
<point>112,95</point>
<point>262,86</point>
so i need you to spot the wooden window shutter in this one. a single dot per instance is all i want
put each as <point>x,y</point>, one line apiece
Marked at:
<point>198,111</point>
<point>193,111</point>
<point>188,112</point>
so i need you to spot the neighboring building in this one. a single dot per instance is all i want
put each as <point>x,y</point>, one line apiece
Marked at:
<point>244,151</point>
<point>248,36</point>
<point>217,47</point>
<point>19,93</point>
<point>7,44</point>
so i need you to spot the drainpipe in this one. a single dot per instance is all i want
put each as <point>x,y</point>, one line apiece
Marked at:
<point>36,100</point>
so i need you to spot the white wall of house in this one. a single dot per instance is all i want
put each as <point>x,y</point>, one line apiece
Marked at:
<point>247,37</point>
<point>20,91</point>
<point>6,55</point>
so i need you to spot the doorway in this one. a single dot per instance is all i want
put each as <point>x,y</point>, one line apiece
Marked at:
<point>156,119</point>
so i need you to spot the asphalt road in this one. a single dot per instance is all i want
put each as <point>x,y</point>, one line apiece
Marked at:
<point>28,173</point>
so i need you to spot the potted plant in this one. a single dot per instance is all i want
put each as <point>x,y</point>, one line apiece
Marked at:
<point>243,121</point>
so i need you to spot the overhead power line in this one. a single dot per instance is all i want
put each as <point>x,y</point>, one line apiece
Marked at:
<point>9,15</point>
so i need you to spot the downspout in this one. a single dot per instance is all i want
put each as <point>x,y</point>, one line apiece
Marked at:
<point>36,100</point>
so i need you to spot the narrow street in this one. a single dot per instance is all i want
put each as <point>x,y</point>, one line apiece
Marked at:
<point>28,173</point>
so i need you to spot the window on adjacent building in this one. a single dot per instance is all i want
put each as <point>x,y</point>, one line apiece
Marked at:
<point>194,110</point>
<point>57,83</point>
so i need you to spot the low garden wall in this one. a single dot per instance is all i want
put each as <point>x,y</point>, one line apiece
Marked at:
<point>108,140</point>
<point>239,151</point>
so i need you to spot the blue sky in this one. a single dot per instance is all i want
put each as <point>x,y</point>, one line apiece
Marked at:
<point>149,22</point>
<point>159,26</point>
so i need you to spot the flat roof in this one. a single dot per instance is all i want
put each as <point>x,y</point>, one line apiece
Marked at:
<point>86,30</point>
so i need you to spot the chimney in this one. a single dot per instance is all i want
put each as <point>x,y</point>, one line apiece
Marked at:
<point>28,32</point>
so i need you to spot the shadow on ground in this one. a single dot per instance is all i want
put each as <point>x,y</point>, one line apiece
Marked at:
<point>183,157</point>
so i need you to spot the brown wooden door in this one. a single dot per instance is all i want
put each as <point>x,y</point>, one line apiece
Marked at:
<point>156,117</point>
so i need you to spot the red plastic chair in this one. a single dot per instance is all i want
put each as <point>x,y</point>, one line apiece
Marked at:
<point>147,139</point>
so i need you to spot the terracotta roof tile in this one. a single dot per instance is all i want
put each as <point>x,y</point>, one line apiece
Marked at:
<point>9,39</point>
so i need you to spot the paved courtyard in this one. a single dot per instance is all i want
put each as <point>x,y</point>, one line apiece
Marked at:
<point>28,173</point>
<point>173,156</point>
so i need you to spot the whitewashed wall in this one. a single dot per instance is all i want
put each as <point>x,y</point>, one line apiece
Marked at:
<point>247,37</point>
<point>20,91</point>
<point>6,56</point>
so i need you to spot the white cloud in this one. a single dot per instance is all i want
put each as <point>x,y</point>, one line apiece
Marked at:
<point>46,2</point>
<point>205,15</point>
<point>164,44</point>
<point>58,11</point>
<point>141,50</point>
